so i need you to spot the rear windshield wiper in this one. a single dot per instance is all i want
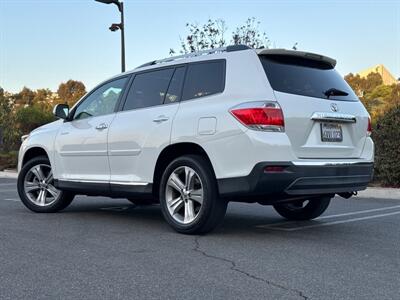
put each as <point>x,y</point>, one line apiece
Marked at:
<point>335,92</point>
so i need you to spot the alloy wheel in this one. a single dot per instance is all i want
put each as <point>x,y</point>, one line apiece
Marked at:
<point>184,195</point>
<point>39,185</point>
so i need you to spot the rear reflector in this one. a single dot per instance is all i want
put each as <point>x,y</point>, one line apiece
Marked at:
<point>369,128</point>
<point>267,116</point>
<point>274,169</point>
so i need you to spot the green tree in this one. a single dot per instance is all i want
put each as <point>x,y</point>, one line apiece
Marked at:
<point>43,98</point>
<point>211,35</point>
<point>395,95</point>
<point>31,117</point>
<point>363,85</point>
<point>25,96</point>
<point>372,92</point>
<point>71,91</point>
<point>9,137</point>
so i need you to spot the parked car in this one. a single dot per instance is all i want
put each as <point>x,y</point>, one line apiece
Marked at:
<point>193,132</point>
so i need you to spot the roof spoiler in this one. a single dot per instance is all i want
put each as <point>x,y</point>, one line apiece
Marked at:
<point>307,55</point>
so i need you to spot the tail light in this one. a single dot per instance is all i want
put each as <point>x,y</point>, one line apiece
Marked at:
<point>263,116</point>
<point>369,128</point>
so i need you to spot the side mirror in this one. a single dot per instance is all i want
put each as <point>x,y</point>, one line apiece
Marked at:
<point>61,111</point>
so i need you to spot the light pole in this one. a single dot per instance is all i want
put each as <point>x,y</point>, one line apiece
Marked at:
<point>120,26</point>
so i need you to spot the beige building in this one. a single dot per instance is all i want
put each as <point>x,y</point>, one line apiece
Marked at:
<point>387,77</point>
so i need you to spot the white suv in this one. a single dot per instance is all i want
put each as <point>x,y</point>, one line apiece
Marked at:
<point>193,132</point>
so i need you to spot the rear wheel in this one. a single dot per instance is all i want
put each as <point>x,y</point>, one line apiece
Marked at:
<point>303,209</point>
<point>189,196</point>
<point>36,187</point>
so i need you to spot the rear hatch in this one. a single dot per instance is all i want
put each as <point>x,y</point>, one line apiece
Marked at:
<point>323,116</point>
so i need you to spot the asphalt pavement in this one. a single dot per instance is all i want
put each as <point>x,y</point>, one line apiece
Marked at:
<point>101,248</point>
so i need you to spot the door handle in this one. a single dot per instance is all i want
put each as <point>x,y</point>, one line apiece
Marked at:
<point>101,126</point>
<point>160,119</point>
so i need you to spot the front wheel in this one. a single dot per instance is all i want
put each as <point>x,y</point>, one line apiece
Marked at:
<point>36,187</point>
<point>303,209</point>
<point>189,196</point>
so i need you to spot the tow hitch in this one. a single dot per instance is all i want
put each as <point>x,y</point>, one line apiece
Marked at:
<point>347,195</point>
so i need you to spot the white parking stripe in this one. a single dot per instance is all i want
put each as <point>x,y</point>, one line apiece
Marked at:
<point>337,222</point>
<point>16,200</point>
<point>7,184</point>
<point>360,212</point>
<point>8,190</point>
<point>333,216</point>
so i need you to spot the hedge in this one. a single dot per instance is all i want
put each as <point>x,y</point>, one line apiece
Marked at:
<point>386,136</point>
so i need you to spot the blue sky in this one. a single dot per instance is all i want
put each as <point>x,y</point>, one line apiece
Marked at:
<point>45,42</point>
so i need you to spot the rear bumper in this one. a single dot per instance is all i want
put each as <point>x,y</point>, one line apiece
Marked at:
<point>298,180</point>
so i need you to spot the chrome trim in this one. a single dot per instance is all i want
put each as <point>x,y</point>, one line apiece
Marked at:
<point>82,180</point>
<point>331,163</point>
<point>84,153</point>
<point>128,152</point>
<point>333,117</point>
<point>110,182</point>
<point>128,183</point>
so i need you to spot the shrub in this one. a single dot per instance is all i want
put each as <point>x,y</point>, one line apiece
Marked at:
<point>386,136</point>
<point>8,160</point>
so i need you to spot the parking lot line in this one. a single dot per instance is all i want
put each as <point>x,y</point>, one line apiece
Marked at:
<point>333,216</point>
<point>359,212</point>
<point>336,222</point>
<point>10,199</point>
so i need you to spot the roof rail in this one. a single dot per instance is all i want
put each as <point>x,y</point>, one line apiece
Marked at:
<point>231,48</point>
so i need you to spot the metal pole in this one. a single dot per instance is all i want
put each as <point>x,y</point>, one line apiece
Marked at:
<point>122,38</point>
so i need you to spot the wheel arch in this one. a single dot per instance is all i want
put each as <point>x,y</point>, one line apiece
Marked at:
<point>172,152</point>
<point>32,153</point>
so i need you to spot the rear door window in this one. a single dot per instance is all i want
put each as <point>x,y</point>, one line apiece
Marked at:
<point>148,89</point>
<point>175,86</point>
<point>294,75</point>
<point>204,79</point>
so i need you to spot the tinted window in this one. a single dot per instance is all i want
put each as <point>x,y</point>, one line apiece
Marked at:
<point>304,77</point>
<point>175,86</point>
<point>204,79</point>
<point>148,89</point>
<point>101,101</point>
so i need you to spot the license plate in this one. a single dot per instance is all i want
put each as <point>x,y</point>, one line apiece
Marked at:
<point>331,132</point>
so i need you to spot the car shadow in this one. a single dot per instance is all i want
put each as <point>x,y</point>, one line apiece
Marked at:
<point>150,216</point>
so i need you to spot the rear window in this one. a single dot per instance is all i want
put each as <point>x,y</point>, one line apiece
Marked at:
<point>204,79</point>
<point>304,77</point>
<point>148,89</point>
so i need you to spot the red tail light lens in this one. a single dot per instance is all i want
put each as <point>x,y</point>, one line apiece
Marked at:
<point>274,169</point>
<point>369,129</point>
<point>267,116</point>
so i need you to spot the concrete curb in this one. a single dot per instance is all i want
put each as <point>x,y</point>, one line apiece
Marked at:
<point>8,174</point>
<point>380,193</point>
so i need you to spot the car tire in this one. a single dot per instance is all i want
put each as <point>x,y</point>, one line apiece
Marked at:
<point>36,187</point>
<point>299,210</point>
<point>191,206</point>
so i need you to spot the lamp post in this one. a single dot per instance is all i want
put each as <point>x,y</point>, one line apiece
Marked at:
<point>120,26</point>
